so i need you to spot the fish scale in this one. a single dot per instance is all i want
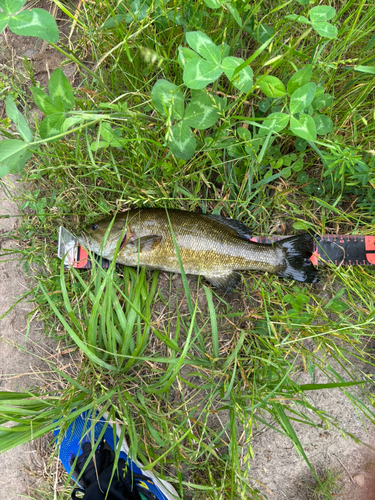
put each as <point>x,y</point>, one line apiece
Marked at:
<point>202,243</point>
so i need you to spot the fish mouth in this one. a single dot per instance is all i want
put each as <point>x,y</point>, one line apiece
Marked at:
<point>87,243</point>
<point>83,239</point>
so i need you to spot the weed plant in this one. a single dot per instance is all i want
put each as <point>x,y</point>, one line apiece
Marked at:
<point>322,486</point>
<point>278,132</point>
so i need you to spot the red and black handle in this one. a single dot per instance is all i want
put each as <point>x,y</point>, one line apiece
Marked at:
<point>351,249</point>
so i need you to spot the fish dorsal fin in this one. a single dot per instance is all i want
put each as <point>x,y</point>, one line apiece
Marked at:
<point>225,283</point>
<point>146,243</point>
<point>238,229</point>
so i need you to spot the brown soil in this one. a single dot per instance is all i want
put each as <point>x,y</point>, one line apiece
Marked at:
<point>21,363</point>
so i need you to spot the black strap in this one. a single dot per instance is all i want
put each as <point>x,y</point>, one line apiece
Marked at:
<point>118,487</point>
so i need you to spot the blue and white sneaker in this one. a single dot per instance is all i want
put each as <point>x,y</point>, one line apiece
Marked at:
<point>94,472</point>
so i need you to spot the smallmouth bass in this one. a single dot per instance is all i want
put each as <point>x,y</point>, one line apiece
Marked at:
<point>211,246</point>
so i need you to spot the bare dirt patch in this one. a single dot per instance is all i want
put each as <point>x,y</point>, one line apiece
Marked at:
<point>22,349</point>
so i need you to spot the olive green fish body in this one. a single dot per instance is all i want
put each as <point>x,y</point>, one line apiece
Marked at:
<point>209,245</point>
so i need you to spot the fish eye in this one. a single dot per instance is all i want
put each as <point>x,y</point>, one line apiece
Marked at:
<point>94,226</point>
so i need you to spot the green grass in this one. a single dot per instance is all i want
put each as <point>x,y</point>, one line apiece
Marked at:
<point>190,372</point>
<point>323,485</point>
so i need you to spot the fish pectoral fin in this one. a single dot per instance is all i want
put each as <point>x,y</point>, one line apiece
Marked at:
<point>146,243</point>
<point>224,282</point>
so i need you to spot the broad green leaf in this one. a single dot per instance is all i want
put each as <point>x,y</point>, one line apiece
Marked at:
<point>110,136</point>
<point>309,110</point>
<point>70,122</point>
<point>286,173</point>
<point>299,79</point>
<point>299,19</point>
<point>244,133</point>
<point>243,81</point>
<point>322,101</point>
<point>13,156</point>
<point>11,6</point>
<point>235,14</point>
<point>198,92</point>
<point>323,124</point>
<point>303,178</point>
<point>264,105</point>
<point>168,99</point>
<point>321,13</point>
<point>249,25</point>
<point>318,91</point>
<point>20,161</point>
<point>298,165</point>
<point>4,18</point>
<point>204,46</point>
<point>303,2</point>
<point>52,125</point>
<point>304,127</point>
<point>252,147</point>
<point>198,73</point>
<point>365,69</point>
<point>212,4</point>
<point>302,98</point>
<point>181,141</point>
<point>95,146</point>
<point>105,130</point>
<point>43,101</point>
<point>121,9</point>
<point>9,147</point>
<point>116,143</point>
<point>114,21</point>
<point>325,29</point>
<point>60,91</point>
<point>17,118</point>
<point>35,22</point>
<point>287,161</point>
<point>262,33</point>
<point>300,144</point>
<point>225,50</point>
<point>201,113</point>
<point>338,306</point>
<point>235,151</point>
<point>138,11</point>
<point>271,86</point>
<point>176,18</point>
<point>185,54</point>
<point>276,122</point>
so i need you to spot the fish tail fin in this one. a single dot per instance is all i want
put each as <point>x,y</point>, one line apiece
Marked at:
<point>297,265</point>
